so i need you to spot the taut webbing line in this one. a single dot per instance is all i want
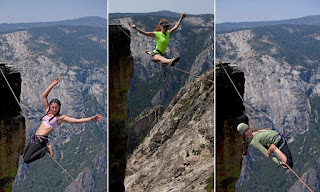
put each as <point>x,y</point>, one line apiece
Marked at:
<point>172,66</point>
<point>123,31</point>
<point>64,170</point>
<point>295,174</point>
<point>238,93</point>
<point>191,73</point>
<point>13,93</point>
<point>28,120</point>
<point>258,127</point>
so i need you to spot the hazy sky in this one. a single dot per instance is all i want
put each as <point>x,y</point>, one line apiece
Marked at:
<point>179,6</point>
<point>16,11</point>
<point>264,10</point>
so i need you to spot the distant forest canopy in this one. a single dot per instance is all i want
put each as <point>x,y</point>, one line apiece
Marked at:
<point>74,45</point>
<point>229,26</point>
<point>90,21</point>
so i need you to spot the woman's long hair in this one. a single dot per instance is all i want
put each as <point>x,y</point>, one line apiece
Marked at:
<point>52,101</point>
<point>159,26</point>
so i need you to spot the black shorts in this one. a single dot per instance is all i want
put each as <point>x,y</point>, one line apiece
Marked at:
<point>35,149</point>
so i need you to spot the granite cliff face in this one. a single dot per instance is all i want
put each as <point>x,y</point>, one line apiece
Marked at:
<point>12,128</point>
<point>273,87</point>
<point>142,125</point>
<point>177,154</point>
<point>41,55</point>
<point>281,85</point>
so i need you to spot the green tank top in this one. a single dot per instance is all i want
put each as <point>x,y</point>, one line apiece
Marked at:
<point>162,41</point>
<point>262,140</point>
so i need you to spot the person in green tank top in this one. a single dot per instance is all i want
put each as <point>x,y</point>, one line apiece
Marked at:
<point>268,141</point>
<point>162,34</point>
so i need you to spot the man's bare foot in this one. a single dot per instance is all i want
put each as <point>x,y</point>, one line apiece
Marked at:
<point>50,150</point>
<point>283,165</point>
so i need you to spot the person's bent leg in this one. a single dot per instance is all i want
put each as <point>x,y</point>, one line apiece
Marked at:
<point>26,149</point>
<point>34,152</point>
<point>157,58</point>
<point>280,155</point>
<point>287,153</point>
<point>38,154</point>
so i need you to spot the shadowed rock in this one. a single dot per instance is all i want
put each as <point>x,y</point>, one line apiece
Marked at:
<point>12,129</point>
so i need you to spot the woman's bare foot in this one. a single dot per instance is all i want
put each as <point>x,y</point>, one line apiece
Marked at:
<point>50,150</point>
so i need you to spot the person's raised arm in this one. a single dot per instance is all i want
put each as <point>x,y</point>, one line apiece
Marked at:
<point>67,119</point>
<point>45,94</point>
<point>149,34</point>
<point>183,15</point>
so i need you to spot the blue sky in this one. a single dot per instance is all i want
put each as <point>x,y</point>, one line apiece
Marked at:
<point>179,6</point>
<point>16,11</point>
<point>264,10</point>
<point>21,11</point>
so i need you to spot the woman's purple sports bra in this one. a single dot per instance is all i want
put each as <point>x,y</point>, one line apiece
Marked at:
<point>53,123</point>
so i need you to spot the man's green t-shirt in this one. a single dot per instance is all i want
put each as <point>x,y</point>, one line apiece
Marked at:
<point>162,41</point>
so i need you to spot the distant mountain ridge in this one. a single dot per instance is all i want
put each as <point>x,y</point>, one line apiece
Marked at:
<point>91,21</point>
<point>230,26</point>
<point>157,13</point>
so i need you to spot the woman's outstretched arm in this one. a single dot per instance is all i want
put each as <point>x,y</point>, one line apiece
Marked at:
<point>183,15</point>
<point>149,34</point>
<point>67,119</point>
<point>45,94</point>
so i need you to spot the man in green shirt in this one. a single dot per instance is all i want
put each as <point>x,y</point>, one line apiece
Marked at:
<point>268,141</point>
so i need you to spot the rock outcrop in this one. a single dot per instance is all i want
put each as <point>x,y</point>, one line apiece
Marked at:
<point>12,127</point>
<point>177,154</point>
<point>121,72</point>
<point>142,126</point>
<point>230,112</point>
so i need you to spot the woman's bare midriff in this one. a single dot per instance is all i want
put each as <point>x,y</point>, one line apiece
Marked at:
<point>44,130</point>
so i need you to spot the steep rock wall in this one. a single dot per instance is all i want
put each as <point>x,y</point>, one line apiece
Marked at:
<point>121,72</point>
<point>142,125</point>
<point>230,112</point>
<point>12,128</point>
